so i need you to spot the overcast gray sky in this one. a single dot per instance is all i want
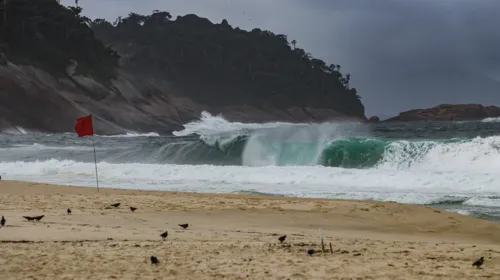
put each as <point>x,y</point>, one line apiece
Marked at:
<point>402,54</point>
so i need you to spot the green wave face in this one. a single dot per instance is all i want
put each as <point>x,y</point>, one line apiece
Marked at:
<point>354,152</point>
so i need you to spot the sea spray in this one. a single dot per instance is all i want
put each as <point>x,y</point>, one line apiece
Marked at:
<point>217,131</point>
<point>299,146</point>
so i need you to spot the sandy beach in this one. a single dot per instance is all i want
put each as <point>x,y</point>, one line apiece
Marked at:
<point>233,237</point>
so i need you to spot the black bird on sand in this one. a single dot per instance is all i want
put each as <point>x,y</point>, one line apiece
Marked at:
<point>133,208</point>
<point>34,218</point>
<point>154,260</point>
<point>68,211</point>
<point>282,238</point>
<point>311,252</point>
<point>479,262</point>
<point>164,235</point>
<point>116,204</point>
<point>2,221</point>
<point>184,226</point>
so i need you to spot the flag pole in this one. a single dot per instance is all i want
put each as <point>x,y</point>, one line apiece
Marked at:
<point>95,163</point>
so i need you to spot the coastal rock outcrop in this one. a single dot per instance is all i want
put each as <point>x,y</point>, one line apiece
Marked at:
<point>449,112</point>
<point>36,100</point>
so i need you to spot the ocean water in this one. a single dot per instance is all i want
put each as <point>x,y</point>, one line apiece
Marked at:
<point>451,165</point>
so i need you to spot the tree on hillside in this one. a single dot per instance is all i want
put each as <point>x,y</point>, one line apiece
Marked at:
<point>219,64</point>
<point>213,63</point>
<point>48,35</point>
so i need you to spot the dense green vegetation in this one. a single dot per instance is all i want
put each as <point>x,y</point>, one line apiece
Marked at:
<point>46,34</point>
<point>219,64</point>
<point>215,64</point>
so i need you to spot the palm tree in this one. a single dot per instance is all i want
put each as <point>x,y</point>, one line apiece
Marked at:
<point>294,42</point>
<point>76,10</point>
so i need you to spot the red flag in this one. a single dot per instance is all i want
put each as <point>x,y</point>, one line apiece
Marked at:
<point>83,126</point>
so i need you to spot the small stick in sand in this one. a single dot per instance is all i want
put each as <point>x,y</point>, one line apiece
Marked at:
<point>331,248</point>
<point>322,243</point>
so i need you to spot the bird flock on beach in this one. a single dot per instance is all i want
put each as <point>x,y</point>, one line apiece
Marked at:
<point>164,235</point>
<point>154,260</point>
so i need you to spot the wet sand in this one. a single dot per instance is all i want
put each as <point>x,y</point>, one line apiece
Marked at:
<point>233,237</point>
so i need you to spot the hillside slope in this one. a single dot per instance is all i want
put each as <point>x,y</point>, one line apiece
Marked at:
<point>155,74</point>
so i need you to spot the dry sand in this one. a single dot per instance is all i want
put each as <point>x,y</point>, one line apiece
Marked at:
<point>233,237</point>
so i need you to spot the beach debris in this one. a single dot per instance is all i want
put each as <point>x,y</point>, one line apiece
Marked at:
<point>311,252</point>
<point>164,235</point>
<point>282,238</point>
<point>321,240</point>
<point>2,221</point>
<point>68,211</point>
<point>184,226</point>
<point>479,262</point>
<point>154,260</point>
<point>331,248</point>
<point>115,205</point>
<point>133,208</point>
<point>34,218</point>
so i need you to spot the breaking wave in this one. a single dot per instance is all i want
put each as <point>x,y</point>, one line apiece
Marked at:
<point>346,160</point>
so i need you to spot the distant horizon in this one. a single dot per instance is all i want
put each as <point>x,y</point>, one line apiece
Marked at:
<point>398,61</point>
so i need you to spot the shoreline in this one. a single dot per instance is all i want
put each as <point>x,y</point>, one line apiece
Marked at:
<point>233,236</point>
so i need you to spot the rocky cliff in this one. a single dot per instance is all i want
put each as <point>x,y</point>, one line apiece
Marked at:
<point>151,73</point>
<point>449,112</point>
<point>36,100</point>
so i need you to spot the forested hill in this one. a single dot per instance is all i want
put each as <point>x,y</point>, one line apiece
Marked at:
<point>218,64</point>
<point>161,72</point>
<point>48,35</point>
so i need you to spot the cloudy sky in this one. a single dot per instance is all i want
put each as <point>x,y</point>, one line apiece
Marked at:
<point>402,54</point>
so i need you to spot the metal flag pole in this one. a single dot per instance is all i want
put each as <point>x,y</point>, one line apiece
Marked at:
<point>95,163</point>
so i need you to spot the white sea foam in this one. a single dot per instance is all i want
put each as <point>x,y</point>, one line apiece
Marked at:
<point>214,125</point>
<point>37,146</point>
<point>491,120</point>
<point>133,134</point>
<point>16,130</point>
<point>217,131</point>
<point>479,155</point>
<point>312,181</point>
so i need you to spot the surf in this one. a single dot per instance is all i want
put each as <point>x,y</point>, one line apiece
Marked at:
<point>329,160</point>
